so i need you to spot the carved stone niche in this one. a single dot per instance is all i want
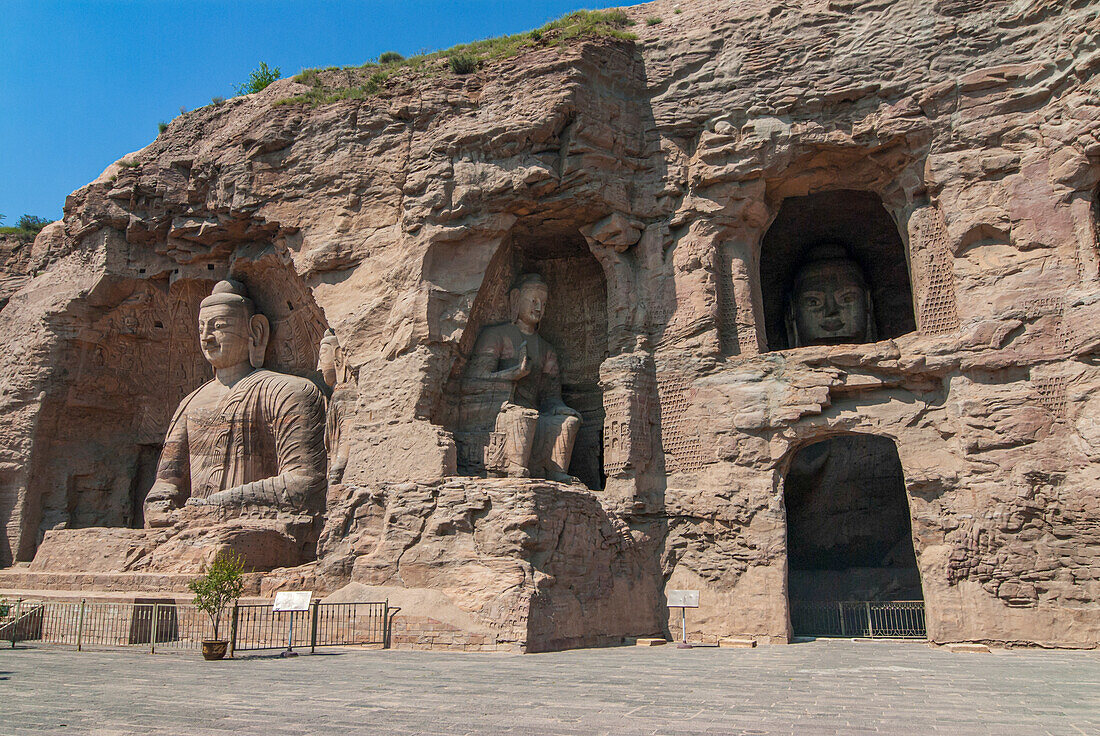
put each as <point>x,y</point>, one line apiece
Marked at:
<point>574,323</point>
<point>836,245</point>
<point>848,523</point>
<point>137,356</point>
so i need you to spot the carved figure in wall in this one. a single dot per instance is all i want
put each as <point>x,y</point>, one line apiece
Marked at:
<point>248,437</point>
<point>513,388</point>
<point>829,303</point>
<point>338,376</point>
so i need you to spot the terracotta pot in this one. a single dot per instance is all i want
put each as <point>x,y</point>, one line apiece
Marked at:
<point>214,648</point>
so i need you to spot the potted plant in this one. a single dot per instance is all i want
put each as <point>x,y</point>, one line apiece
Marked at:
<point>221,585</point>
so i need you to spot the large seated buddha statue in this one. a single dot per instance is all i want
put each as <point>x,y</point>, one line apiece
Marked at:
<point>242,469</point>
<point>247,437</point>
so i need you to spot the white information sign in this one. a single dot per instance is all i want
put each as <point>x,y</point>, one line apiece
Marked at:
<point>683,598</point>
<point>297,600</point>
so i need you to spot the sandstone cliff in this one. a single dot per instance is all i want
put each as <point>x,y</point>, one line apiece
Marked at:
<point>643,176</point>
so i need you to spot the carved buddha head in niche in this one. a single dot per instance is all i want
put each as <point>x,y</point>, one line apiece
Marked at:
<point>528,301</point>
<point>231,331</point>
<point>829,303</point>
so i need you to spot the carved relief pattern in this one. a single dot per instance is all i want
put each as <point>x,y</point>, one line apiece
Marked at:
<point>576,318</point>
<point>682,448</point>
<point>938,307</point>
<point>628,416</point>
<point>1051,391</point>
<point>616,431</point>
<point>295,337</point>
<point>1054,307</point>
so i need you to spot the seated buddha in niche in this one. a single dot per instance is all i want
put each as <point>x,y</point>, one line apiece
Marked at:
<point>513,389</point>
<point>829,302</point>
<point>249,436</point>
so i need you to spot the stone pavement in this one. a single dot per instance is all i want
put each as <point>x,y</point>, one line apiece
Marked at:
<point>820,687</point>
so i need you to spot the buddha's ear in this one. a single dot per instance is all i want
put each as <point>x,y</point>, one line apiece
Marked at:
<point>791,323</point>
<point>259,332</point>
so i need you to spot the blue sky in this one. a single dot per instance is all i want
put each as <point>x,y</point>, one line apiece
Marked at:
<point>82,83</point>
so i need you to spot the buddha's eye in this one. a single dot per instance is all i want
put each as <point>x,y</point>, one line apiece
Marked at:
<point>811,301</point>
<point>848,297</point>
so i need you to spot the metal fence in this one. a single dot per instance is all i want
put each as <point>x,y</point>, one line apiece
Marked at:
<point>859,619</point>
<point>169,626</point>
<point>323,625</point>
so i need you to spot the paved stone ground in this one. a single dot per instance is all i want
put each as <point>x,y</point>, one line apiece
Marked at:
<point>820,687</point>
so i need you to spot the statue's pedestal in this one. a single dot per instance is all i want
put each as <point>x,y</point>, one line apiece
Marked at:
<point>264,541</point>
<point>473,563</point>
<point>518,563</point>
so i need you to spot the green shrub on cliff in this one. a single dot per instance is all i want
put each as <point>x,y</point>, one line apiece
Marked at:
<point>32,223</point>
<point>463,63</point>
<point>260,78</point>
<point>26,227</point>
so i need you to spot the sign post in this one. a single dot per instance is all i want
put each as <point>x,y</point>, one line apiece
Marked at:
<point>683,599</point>
<point>291,602</point>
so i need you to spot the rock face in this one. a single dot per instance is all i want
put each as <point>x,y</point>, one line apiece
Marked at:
<point>667,190</point>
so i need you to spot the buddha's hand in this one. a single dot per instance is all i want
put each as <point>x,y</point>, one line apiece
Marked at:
<point>565,411</point>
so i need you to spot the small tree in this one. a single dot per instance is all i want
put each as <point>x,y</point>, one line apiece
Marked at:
<point>32,223</point>
<point>221,585</point>
<point>260,77</point>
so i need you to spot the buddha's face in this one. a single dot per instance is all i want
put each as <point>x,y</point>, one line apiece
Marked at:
<point>531,304</point>
<point>830,304</point>
<point>224,335</point>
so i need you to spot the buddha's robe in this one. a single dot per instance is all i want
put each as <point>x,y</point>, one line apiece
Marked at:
<point>263,444</point>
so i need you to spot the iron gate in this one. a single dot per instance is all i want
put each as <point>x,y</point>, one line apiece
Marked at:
<point>859,619</point>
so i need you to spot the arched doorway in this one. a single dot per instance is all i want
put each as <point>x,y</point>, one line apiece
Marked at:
<point>852,570</point>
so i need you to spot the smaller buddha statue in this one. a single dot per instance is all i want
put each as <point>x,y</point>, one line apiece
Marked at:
<point>339,378</point>
<point>513,391</point>
<point>829,303</point>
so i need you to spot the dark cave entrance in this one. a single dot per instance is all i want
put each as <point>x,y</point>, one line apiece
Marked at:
<point>849,539</point>
<point>854,225</point>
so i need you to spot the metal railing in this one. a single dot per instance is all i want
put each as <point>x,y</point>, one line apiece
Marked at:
<point>256,626</point>
<point>174,627</point>
<point>859,619</point>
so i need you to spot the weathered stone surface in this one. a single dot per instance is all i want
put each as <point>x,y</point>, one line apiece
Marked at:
<point>536,563</point>
<point>640,180</point>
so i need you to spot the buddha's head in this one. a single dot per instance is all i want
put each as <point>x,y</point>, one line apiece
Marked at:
<point>231,331</point>
<point>829,303</point>
<point>528,297</point>
<point>330,359</point>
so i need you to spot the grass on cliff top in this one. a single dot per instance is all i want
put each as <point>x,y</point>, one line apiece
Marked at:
<point>465,58</point>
